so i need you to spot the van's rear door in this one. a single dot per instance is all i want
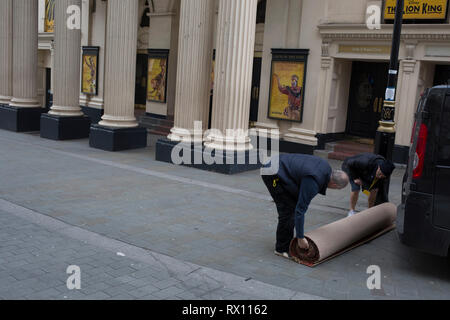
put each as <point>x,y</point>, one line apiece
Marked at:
<point>441,212</point>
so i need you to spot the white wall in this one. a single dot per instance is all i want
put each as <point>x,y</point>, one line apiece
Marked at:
<point>348,11</point>
<point>94,34</point>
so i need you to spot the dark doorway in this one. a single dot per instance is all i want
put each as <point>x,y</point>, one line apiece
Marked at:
<point>141,79</point>
<point>367,91</point>
<point>48,89</point>
<point>256,82</point>
<point>261,12</point>
<point>442,75</point>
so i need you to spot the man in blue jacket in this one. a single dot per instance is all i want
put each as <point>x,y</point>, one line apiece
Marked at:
<point>298,180</point>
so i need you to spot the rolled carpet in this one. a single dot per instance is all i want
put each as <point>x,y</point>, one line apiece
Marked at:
<point>341,236</point>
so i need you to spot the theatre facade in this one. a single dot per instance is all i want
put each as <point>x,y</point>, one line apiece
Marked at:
<point>301,72</point>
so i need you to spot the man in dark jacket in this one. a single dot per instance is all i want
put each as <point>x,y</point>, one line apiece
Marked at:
<point>369,172</point>
<point>298,180</point>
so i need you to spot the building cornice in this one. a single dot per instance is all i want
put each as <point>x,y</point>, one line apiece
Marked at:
<point>427,32</point>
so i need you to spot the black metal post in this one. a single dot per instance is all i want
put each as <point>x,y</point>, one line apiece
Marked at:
<point>385,136</point>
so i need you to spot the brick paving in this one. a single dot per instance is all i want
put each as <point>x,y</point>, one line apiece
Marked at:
<point>35,252</point>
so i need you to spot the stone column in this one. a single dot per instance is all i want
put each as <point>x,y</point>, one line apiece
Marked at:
<point>6,51</point>
<point>119,129</point>
<point>24,110</point>
<point>233,75</point>
<point>66,84</point>
<point>120,68</point>
<point>65,121</point>
<point>195,51</point>
<point>25,52</point>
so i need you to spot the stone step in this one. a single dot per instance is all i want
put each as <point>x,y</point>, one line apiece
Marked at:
<point>355,148</point>
<point>322,153</point>
<point>159,132</point>
<point>157,126</point>
<point>340,155</point>
<point>149,121</point>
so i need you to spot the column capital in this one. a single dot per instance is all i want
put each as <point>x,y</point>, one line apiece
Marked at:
<point>409,66</point>
<point>326,48</point>
<point>326,62</point>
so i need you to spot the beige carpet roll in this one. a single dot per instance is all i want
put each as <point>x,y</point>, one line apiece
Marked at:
<point>338,237</point>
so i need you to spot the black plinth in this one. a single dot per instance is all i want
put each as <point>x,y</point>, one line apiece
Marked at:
<point>227,163</point>
<point>112,139</point>
<point>20,119</point>
<point>64,128</point>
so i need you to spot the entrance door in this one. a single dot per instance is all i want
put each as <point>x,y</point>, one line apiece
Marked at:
<point>367,91</point>
<point>442,75</point>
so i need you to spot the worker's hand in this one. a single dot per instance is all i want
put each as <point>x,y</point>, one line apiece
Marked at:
<point>303,244</point>
<point>358,182</point>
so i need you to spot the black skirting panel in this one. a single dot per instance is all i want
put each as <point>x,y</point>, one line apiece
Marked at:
<point>292,147</point>
<point>112,139</point>
<point>401,154</point>
<point>228,163</point>
<point>64,128</point>
<point>20,119</point>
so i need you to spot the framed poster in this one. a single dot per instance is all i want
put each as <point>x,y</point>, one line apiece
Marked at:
<point>287,86</point>
<point>158,60</point>
<point>89,76</point>
<point>49,21</point>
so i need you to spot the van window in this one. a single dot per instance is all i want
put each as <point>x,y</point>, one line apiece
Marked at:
<point>447,104</point>
<point>434,101</point>
<point>444,136</point>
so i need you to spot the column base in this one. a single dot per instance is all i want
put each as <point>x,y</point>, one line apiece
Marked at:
<point>20,119</point>
<point>117,139</point>
<point>64,128</point>
<point>227,163</point>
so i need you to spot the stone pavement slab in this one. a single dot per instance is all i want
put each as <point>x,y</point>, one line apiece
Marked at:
<point>226,223</point>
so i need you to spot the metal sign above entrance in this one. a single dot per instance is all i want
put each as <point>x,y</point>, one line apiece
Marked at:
<point>367,49</point>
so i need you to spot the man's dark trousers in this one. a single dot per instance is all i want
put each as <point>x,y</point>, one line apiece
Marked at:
<point>286,212</point>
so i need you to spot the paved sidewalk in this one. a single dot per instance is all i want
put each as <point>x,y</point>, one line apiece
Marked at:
<point>36,251</point>
<point>223,223</point>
